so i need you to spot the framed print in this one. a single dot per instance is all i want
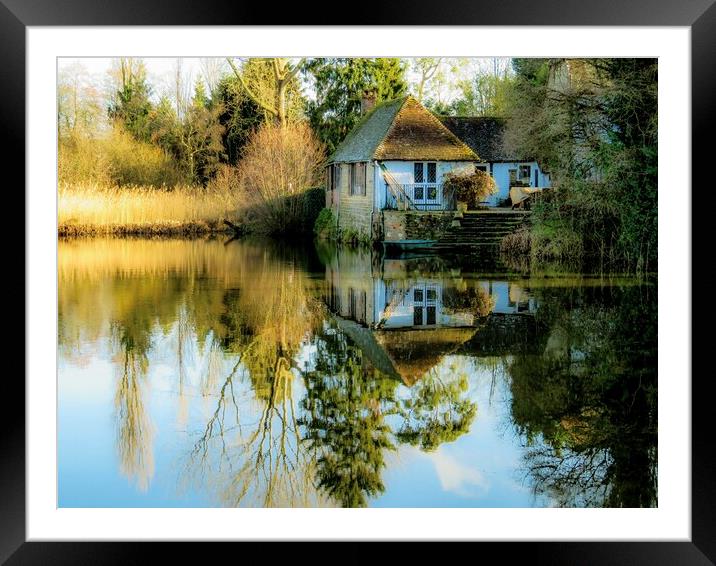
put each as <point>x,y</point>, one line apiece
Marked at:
<point>418,264</point>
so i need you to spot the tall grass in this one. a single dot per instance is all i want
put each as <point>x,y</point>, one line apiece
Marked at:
<point>98,208</point>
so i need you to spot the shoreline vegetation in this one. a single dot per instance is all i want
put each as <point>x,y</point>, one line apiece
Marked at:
<point>92,209</point>
<point>245,147</point>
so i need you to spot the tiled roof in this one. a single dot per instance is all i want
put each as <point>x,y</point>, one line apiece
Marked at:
<point>402,129</point>
<point>361,142</point>
<point>483,135</point>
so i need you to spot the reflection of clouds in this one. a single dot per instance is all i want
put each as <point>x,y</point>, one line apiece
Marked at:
<point>457,477</point>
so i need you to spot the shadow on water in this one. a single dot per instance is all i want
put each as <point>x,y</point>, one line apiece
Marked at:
<point>298,373</point>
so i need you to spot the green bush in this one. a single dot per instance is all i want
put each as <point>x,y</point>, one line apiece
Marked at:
<point>313,202</point>
<point>325,225</point>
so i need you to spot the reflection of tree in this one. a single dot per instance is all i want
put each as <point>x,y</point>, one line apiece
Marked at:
<point>266,321</point>
<point>134,431</point>
<point>466,296</point>
<point>588,405</point>
<point>344,417</point>
<point>266,463</point>
<point>437,411</point>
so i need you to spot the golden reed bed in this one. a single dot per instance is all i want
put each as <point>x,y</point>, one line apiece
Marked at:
<point>92,208</point>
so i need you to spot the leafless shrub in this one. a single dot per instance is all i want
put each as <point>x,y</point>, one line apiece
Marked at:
<point>280,164</point>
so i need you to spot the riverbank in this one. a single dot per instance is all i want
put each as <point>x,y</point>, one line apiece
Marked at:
<point>94,209</point>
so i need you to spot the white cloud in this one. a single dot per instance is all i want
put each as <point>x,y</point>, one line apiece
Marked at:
<point>457,477</point>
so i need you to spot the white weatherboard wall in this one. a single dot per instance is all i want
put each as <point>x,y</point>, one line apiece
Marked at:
<point>403,172</point>
<point>501,174</point>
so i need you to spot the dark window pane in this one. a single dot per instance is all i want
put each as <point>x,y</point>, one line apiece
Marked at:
<point>431,315</point>
<point>432,193</point>
<point>431,172</point>
<point>418,316</point>
<point>418,172</point>
<point>432,295</point>
<point>419,193</point>
<point>418,295</point>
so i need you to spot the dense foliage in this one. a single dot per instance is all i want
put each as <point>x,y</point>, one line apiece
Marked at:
<point>592,123</point>
<point>339,85</point>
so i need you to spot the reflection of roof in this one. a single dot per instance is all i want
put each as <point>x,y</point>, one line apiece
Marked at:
<point>414,352</point>
<point>365,340</point>
<point>401,129</point>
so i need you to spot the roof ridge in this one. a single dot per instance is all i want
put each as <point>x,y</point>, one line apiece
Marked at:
<point>392,123</point>
<point>355,130</point>
<point>444,127</point>
<point>433,117</point>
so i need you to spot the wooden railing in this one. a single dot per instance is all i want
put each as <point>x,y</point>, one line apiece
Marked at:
<point>397,198</point>
<point>420,196</point>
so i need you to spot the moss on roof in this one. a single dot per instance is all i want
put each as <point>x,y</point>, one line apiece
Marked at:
<point>402,129</point>
<point>361,142</point>
<point>483,134</point>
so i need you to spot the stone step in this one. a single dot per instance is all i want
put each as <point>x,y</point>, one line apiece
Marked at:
<point>486,245</point>
<point>500,232</point>
<point>484,230</point>
<point>466,220</point>
<point>511,224</point>
<point>467,239</point>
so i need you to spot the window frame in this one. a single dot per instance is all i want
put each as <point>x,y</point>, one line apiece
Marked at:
<point>358,189</point>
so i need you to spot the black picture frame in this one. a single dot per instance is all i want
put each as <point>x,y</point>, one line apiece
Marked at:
<point>699,15</point>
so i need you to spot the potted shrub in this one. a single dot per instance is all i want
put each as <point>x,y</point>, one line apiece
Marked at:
<point>469,189</point>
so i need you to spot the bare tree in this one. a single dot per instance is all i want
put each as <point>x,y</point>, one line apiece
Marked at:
<point>212,71</point>
<point>273,103</point>
<point>182,88</point>
<point>426,67</point>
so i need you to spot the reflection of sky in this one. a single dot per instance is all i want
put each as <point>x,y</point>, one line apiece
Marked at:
<point>479,469</point>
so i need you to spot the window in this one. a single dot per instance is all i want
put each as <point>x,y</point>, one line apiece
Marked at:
<point>425,190</point>
<point>329,177</point>
<point>425,172</point>
<point>336,178</point>
<point>418,316</point>
<point>418,295</point>
<point>524,173</point>
<point>520,177</point>
<point>480,167</point>
<point>418,173</point>
<point>430,315</point>
<point>432,295</point>
<point>352,300</point>
<point>358,178</point>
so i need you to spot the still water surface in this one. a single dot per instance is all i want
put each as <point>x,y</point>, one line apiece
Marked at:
<point>199,373</point>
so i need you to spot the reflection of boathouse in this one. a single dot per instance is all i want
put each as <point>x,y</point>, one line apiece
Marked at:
<point>405,322</point>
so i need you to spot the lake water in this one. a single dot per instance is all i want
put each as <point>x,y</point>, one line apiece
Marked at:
<point>247,373</point>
